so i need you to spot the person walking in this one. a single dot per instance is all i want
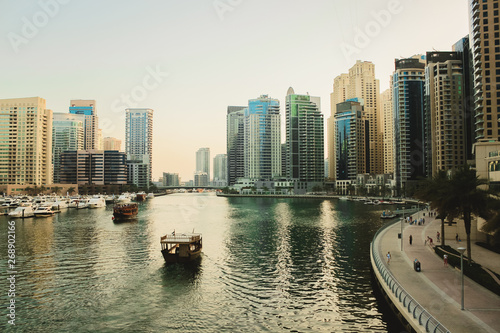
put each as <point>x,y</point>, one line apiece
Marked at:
<point>411,239</point>
<point>437,236</point>
<point>388,257</point>
<point>445,260</point>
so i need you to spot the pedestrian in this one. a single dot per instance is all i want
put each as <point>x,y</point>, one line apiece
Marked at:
<point>445,259</point>
<point>431,243</point>
<point>437,236</point>
<point>411,239</point>
<point>456,237</point>
<point>426,240</point>
<point>388,257</point>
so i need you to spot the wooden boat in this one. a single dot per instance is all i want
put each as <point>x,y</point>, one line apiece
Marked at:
<point>179,248</point>
<point>125,211</point>
<point>141,196</point>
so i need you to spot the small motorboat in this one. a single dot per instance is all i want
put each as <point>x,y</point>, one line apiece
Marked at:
<point>387,215</point>
<point>44,211</point>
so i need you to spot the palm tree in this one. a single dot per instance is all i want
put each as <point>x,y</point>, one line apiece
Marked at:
<point>434,190</point>
<point>28,189</point>
<point>57,189</point>
<point>71,190</point>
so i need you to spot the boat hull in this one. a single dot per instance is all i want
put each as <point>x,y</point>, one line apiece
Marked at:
<point>176,258</point>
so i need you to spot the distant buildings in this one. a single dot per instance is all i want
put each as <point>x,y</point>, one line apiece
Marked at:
<point>220,170</point>
<point>171,179</point>
<point>305,155</point>
<point>67,134</point>
<point>25,141</point>
<point>203,161</point>
<point>201,179</point>
<point>110,143</point>
<point>139,145</point>
<point>262,138</point>
<point>87,108</point>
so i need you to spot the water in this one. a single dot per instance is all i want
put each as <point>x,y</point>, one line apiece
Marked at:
<point>275,265</point>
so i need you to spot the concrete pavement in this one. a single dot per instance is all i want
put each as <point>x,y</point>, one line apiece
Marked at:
<point>438,288</point>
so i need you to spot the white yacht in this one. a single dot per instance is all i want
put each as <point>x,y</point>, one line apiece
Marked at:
<point>151,195</point>
<point>43,211</point>
<point>123,198</point>
<point>24,210</point>
<point>97,202</point>
<point>59,204</point>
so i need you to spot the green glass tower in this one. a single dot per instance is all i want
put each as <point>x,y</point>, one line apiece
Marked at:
<point>304,140</point>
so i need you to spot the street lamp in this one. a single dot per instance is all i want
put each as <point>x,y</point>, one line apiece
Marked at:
<point>462,250</point>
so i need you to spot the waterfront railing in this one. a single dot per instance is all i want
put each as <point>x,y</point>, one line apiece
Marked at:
<point>418,312</point>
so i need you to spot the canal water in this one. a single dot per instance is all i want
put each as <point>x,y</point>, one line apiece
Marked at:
<point>268,265</point>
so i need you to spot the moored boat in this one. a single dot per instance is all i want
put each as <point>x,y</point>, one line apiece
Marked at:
<point>96,202</point>
<point>43,211</point>
<point>387,215</point>
<point>179,248</point>
<point>141,196</point>
<point>24,210</point>
<point>126,211</point>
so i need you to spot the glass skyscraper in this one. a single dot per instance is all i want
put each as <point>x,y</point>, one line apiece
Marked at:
<point>305,154</point>
<point>262,138</point>
<point>235,143</point>
<point>87,108</point>
<point>139,145</point>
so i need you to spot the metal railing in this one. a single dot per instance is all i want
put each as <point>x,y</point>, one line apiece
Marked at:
<point>418,312</point>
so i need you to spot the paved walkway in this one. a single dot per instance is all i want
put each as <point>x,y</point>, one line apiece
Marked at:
<point>438,288</point>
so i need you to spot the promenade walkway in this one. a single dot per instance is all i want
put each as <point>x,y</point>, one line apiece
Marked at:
<point>438,288</point>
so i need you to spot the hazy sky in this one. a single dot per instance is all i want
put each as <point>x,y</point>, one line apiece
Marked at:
<point>189,60</point>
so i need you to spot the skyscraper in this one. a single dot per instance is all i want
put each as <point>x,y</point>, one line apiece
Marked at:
<point>67,134</point>
<point>445,119</point>
<point>262,138</point>
<point>361,83</point>
<point>139,145</point>
<point>25,141</point>
<point>484,39</point>
<point>220,170</point>
<point>388,129</point>
<point>235,141</point>
<point>203,161</point>
<point>350,126</point>
<point>408,106</point>
<point>305,156</point>
<point>87,108</point>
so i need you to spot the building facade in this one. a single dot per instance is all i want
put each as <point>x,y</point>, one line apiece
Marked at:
<point>262,138</point>
<point>201,179</point>
<point>235,143</point>
<point>139,145</point>
<point>445,118</point>
<point>93,167</point>
<point>409,117</point>
<point>220,170</point>
<point>171,179</point>
<point>305,156</point>
<point>87,108</point>
<point>388,129</point>
<point>110,143</point>
<point>484,40</point>
<point>26,141</point>
<point>203,161</point>
<point>351,141</point>
<point>67,134</point>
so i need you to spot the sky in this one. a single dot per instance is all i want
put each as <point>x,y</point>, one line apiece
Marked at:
<point>189,60</point>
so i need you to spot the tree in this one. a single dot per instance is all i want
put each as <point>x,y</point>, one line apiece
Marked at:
<point>71,190</point>
<point>29,189</point>
<point>462,195</point>
<point>317,188</point>
<point>434,190</point>
<point>57,189</point>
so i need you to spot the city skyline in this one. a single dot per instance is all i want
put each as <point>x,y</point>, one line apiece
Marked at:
<point>200,60</point>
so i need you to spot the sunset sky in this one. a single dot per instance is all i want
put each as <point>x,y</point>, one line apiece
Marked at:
<point>189,60</point>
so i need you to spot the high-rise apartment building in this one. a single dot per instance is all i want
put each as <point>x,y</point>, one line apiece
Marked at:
<point>25,141</point>
<point>203,161</point>
<point>93,167</point>
<point>262,138</point>
<point>409,117</point>
<point>386,103</point>
<point>484,39</point>
<point>351,141</point>
<point>445,118</point>
<point>110,143</point>
<point>139,145</point>
<point>171,179</point>
<point>235,142</point>
<point>87,108</point>
<point>361,83</point>
<point>67,134</point>
<point>220,170</point>
<point>305,156</point>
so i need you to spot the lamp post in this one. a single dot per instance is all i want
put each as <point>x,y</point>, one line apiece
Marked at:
<point>402,221</point>
<point>462,250</point>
